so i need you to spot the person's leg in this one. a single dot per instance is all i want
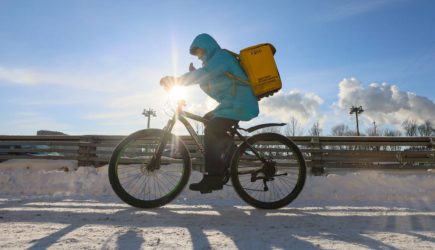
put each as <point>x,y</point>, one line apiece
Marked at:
<point>216,140</point>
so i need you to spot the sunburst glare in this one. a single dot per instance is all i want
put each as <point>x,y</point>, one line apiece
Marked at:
<point>177,93</point>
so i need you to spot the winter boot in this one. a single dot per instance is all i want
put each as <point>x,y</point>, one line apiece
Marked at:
<point>208,184</point>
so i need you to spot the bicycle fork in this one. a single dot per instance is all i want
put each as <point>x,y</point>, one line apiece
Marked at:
<point>155,159</point>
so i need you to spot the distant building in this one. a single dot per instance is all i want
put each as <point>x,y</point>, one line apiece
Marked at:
<point>48,132</point>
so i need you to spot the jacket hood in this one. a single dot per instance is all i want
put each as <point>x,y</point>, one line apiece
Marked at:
<point>207,43</point>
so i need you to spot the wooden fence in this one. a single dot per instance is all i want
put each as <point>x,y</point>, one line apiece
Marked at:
<point>319,152</point>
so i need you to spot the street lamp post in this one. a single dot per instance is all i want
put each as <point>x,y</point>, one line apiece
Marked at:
<point>356,110</point>
<point>374,127</point>
<point>148,113</point>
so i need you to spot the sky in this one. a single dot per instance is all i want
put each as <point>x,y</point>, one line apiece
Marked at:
<point>91,67</point>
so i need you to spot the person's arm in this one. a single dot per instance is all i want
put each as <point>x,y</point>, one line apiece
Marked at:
<point>215,68</point>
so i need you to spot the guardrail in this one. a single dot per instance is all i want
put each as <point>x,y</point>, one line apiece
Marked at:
<point>319,152</point>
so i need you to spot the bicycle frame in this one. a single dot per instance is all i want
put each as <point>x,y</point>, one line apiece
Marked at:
<point>181,115</point>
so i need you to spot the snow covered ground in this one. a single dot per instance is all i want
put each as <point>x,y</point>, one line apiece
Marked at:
<point>54,204</point>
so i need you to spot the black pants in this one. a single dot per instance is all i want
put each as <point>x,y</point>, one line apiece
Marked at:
<point>216,141</point>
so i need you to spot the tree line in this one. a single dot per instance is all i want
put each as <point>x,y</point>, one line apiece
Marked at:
<point>409,127</point>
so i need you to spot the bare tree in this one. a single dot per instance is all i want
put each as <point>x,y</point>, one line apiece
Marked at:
<point>391,132</point>
<point>273,129</point>
<point>315,130</point>
<point>342,130</point>
<point>426,128</point>
<point>374,132</point>
<point>293,127</point>
<point>410,127</point>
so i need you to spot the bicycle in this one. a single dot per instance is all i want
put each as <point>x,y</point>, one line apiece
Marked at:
<point>150,167</point>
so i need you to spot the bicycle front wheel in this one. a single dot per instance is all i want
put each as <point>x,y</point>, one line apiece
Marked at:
<point>274,182</point>
<point>142,184</point>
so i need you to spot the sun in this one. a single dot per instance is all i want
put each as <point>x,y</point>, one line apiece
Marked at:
<point>177,93</point>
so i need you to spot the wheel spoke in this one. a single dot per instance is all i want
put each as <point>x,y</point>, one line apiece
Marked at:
<point>148,188</point>
<point>284,177</point>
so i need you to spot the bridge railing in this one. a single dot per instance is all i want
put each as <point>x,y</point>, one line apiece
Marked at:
<point>320,152</point>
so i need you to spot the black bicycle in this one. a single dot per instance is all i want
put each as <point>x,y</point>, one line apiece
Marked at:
<point>150,167</point>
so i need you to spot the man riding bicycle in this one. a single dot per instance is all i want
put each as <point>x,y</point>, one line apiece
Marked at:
<point>236,103</point>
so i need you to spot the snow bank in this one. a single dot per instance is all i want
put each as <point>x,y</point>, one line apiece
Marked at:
<point>372,185</point>
<point>51,177</point>
<point>63,178</point>
<point>38,164</point>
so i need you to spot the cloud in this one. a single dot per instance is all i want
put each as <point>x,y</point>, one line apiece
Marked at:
<point>29,122</point>
<point>22,76</point>
<point>107,80</point>
<point>128,107</point>
<point>304,107</point>
<point>115,115</point>
<point>384,103</point>
<point>354,8</point>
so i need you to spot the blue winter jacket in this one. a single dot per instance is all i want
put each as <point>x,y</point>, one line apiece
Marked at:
<point>236,100</point>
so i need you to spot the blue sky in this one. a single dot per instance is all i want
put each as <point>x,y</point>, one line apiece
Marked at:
<point>90,67</point>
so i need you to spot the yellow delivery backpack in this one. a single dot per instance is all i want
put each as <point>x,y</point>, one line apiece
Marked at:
<point>260,67</point>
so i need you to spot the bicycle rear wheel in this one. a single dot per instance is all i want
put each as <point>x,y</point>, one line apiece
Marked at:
<point>273,184</point>
<point>144,185</point>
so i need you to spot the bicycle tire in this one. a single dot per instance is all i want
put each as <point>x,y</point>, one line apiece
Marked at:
<point>247,194</point>
<point>118,156</point>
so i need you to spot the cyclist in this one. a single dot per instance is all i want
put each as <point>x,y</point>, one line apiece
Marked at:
<point>236,103</point>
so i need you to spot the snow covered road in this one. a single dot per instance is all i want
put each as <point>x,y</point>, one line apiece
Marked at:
<point>106,223</point>
<point>52,204</point>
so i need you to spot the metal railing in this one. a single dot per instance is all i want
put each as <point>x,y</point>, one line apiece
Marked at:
<point>319,152</point>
